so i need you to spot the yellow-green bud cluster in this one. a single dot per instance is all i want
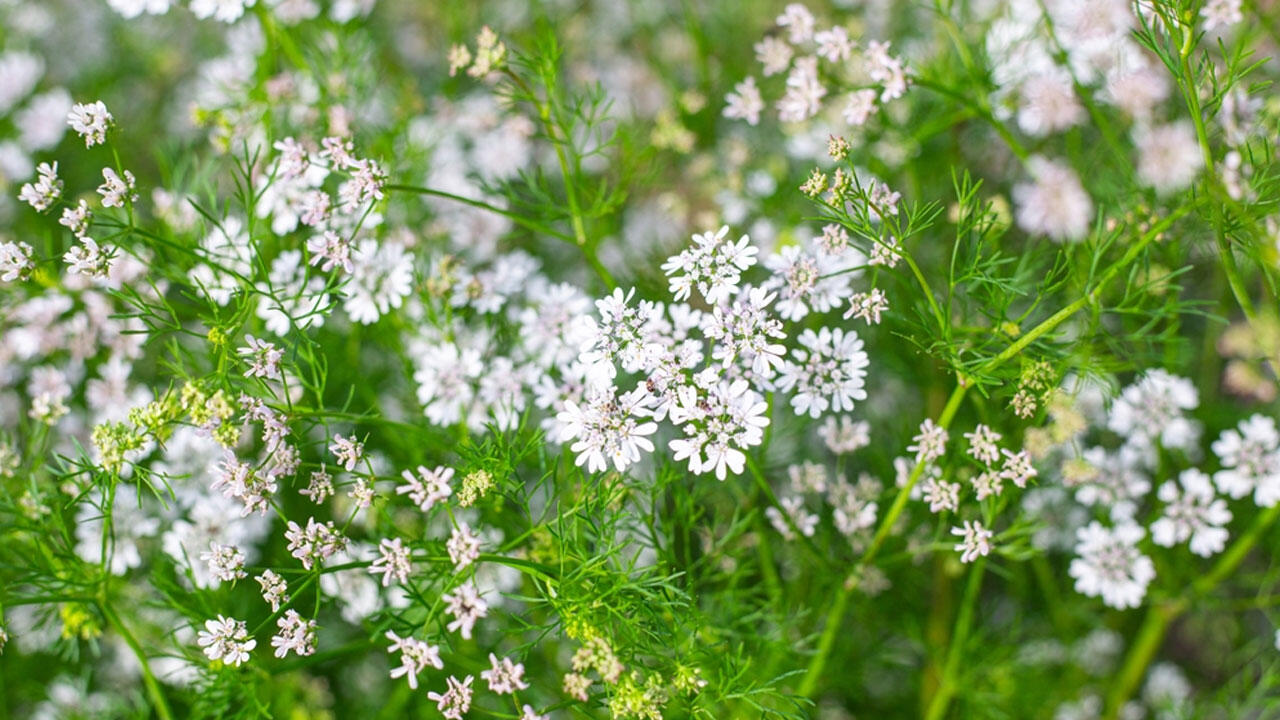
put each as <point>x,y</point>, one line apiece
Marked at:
<point>475,485</point>
<point>113,441</point>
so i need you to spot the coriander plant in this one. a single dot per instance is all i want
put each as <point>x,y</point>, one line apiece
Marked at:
<point>639,359</point>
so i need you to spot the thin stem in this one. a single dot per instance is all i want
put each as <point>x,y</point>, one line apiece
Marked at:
<point>982,111</point>
<point>1191,93</point>
<point>1151,634</point>
<point>546,114</point>
<point>959,635</point>
<point>904,493</point>
<point>841,598</point>
<point>928,293</point>
<point>515,217</point>
<point>161,705</point>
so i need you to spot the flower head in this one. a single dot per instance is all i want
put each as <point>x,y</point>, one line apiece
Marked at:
<point>90,121</point>
<point>1108,564</point>
<point>226,639</point>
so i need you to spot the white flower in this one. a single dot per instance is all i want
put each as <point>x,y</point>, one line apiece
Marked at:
<point>1250,458</point>
<point>1221,13</point>
<point>362,189</point>
<point>868,306</point>
<point>829,372</point>
<point>1166,690</point>
<point>807,477</point>
<point>834,44</point>
<point>225,10</point>
<point>1049,105</point>
<point>428,487</point>
<point>717,422</point>
<point>295,633</point>
<point>463,546</point>
<point>319,487</point>
<point>45,191</point>
<point>131,521</point>
<point>774,54</point>
<point>382,277</point>
<point>930,442</point>
<point>242,481</point>
<point>1055,205</point>
<point>1108,564</point>
<point>225,562</point>
<point>348,451</point>
<point>228,256</point>
<point>885,252</point>
<point>887,70</point>
<point>798,21</point>
<point>976,543</point>
<point>264,358</point>
<point>134,8</point>
<point>90,121</point>
<point>415,656</point>
<point>1138,91</point>
<point>88,259</point>
<point>456,699</point>
<point>1169,157</point>
<point>466,606</point>
<point>608,428</point>
<point>805,91</point>
<point>987,483</point>
<point>1115,481</point>
<point>226,639</point>
<point>1192,512</point>
<point>859,106</point>
<point>940,494</point>
<point>744,103</point>
<point>275,591</point>
<point>1017,467</point>
<point>330,250</point>
<point>76,219</point>
<point>19,74</point>
<point>15,261</point>
<point>314,543</point>
<point>713,265</point>
<point>806,280</point>
<point>39,124</point>
<point>445,375</point>
<point>294,301</point>
<point>982,445</point>
<point>504,677</point>
<point>1153,409</point>
<point>844,435</point>
<point>116,191</point>
<point>392,561</point>
<point>854,509</point>
<point>805,522</point>
<point>744,332</point>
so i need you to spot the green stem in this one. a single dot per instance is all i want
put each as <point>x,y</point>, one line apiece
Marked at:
<point>904,493</point>
<point>841,598</point>
<point>514,217</point>
<point>161,706</point>
<point>1191,93</point>
<point>1151,634</point>
<point>964,621</point>
<point>981,110</point>
<point>834,615</point>
<point>928,293</point>
<point>546,114</point>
